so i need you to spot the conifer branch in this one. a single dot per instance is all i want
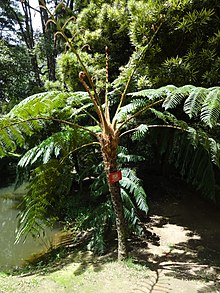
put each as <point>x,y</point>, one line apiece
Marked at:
<point>135,66</point>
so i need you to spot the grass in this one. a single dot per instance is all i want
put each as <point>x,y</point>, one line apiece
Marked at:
<point>109,277</point>
<point>80,272</point>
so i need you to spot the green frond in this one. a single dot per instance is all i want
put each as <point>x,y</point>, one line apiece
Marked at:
<point>190,153</point>
<point>169,118</point>
<point>140,132</point>
<point>16,135</point>
<point>197,101</point>
<point>175,97</point>
<point>214,151</point>
<point>131,183</point>
<point>50,184</point>
<point>130,210</point>
<point>211,107</point>
<point>6,143</point>
<point>194,102</point>
<point>98,219</point>
<point>153,94</point>
<point>124,157</point>
<point>60,143</point>
<point>131,108</point>
<point>47,103</point>
<point>27,117</point>
<point>193,154</point>
<point>99,187</point>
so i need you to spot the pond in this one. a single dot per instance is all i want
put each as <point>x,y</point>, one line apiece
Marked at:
<point>15,255</point>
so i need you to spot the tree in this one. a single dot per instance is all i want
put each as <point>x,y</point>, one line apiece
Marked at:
<point>107,119</point>
<point>15,76</point>
<point>186,49</point>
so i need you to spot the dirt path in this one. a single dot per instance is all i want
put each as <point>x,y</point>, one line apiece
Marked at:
<point>183,256</point>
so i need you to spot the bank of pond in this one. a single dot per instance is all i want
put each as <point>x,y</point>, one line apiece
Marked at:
<point>15,255</point>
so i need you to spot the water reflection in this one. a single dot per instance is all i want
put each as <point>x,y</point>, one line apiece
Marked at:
<point>14,255</point>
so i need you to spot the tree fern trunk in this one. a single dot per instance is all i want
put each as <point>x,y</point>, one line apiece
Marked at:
<point>114,189</point>
<point>109,144</point>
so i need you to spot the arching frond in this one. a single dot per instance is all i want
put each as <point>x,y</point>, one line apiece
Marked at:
<point>130,210</point>
<point>175,97</point>
<point>194,102</point>
<point>47,103</point>
<point>131,183</point>
<point>192,153</point>
<point>140,132</point>
<point>32,114</point>
<point>13,132</point>
<point>61,143</point>
<point>51,182</point>
<point>203,103</point>
<point>125,157</point>
<point>211,107</point>
<point>214,151</point>
<point>169,118</point>
<point>131,108</point>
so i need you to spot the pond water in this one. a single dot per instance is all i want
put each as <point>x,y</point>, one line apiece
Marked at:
<point>15,255</point>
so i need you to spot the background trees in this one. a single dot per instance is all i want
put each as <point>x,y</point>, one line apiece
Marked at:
<point>185,50</point>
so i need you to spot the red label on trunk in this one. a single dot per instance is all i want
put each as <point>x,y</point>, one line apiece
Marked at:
<point>115,176</point>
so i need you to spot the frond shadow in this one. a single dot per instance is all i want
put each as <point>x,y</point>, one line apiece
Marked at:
<point>197,255</point>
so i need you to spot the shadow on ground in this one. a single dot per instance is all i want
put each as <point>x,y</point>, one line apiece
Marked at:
<point>189,246</point>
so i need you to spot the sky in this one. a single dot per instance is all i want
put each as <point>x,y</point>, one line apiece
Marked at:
<point>36,16</point>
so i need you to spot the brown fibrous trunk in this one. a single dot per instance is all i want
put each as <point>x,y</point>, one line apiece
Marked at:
<point>109,145</point>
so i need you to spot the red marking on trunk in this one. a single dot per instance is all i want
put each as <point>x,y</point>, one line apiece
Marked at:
<point>115,176</point>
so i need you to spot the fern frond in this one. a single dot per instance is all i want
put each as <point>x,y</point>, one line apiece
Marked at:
<point>153,94</point>
<point>60,143</point>
<point>211,107</point>
<point>130,210</point>
<point>124,157</point>
<point>214,151</point>
<point>197,101</point>
<point>140,132</point>
<point>131,108</point>
<point>131,183</point>
<point>32,114</point>
<point>50,183</point>
<point>169,118</point>
<point>190,153</point>
<point>175,97</point>
<point>48,103</point>
<point>194,102</point>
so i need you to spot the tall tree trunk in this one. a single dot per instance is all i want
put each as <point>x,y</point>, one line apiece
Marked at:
<point>48,34</point>
<point>28,36</point>
<point>109,144</point>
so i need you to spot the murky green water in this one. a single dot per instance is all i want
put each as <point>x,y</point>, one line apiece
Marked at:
<point>14,255</point>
